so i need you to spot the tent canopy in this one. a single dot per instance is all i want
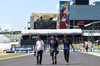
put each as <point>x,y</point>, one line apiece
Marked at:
<point>4,39</point>
<point>52,31</point>
<point>45,16</point>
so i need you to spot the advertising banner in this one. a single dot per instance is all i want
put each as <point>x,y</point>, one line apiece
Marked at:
<point>30,50</point>
<point>64,14</point>
<point>21,48</point>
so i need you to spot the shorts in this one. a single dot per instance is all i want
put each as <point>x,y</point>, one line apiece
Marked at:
<point>52,53</point>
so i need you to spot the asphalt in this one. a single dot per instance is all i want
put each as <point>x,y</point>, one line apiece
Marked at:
<point>76,59</point>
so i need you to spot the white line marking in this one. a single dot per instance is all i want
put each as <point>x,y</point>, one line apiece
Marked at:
<point>92,54</point>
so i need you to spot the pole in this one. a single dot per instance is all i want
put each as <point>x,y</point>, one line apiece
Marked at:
<point>82,37</point>
<point>73,24</point>
<point>73,37</point>
<point>30,37</point>
<point>47,41</point>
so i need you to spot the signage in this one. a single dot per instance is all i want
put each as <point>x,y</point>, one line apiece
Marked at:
<point>64,14</point>
<point>21,48</point>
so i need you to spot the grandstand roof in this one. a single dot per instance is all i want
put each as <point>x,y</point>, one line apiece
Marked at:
<point>52,31</point>
<point>44,15</point>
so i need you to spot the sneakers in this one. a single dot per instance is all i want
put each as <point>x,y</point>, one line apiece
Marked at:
<point>55,62</point>
<point>39,63</point>
<point>52,63</point>
<point>36,63</point>
<point>66,63</point>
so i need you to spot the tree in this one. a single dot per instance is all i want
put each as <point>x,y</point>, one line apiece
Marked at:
<point>6,30</point>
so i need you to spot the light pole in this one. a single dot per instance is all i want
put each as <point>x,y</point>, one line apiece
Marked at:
<point>28,25</point>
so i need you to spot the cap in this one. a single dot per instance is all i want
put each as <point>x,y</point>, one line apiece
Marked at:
<point>64,13</point>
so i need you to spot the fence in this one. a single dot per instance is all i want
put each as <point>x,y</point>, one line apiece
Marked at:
<point>13,37</point>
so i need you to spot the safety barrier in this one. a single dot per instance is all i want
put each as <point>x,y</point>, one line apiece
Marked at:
<point>30,50</point>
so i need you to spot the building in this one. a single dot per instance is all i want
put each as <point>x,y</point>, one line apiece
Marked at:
<point>37,17</point>
<point>82,15</point>
<point>85,15</point>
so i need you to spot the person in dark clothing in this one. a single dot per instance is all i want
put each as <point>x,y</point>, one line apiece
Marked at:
<point>40,49</point>
<point>53,49</point>
<point>41,18</point>
<point>67,43</point>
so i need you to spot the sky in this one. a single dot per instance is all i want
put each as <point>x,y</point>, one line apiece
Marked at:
<point>15,14</point>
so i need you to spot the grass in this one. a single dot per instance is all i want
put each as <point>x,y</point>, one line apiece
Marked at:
<point>98,46</point>
<point>76,46</point>
<point>12,55</point>
<point>97,53</point>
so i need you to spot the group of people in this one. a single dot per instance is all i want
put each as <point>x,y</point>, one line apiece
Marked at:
<point>53,48</point>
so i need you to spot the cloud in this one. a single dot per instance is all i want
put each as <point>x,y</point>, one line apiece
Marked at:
<point>10,28</point>
<point>13,21</point>
<point>18,28</point>
<point>7,26</point>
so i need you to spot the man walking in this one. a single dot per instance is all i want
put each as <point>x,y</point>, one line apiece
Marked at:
<point>53,49</point>
<point>67,44</point>
<point>40,49</point>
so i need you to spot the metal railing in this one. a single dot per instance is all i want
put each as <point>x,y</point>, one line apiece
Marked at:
<point>93,31</point>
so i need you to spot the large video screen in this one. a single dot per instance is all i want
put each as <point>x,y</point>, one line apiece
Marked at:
<point>82,2</point>
<point>64,14</point>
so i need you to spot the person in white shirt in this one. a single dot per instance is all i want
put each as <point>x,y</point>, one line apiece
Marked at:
<point>40,49</point>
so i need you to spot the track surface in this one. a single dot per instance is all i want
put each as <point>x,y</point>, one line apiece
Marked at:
<point>76,59</point>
